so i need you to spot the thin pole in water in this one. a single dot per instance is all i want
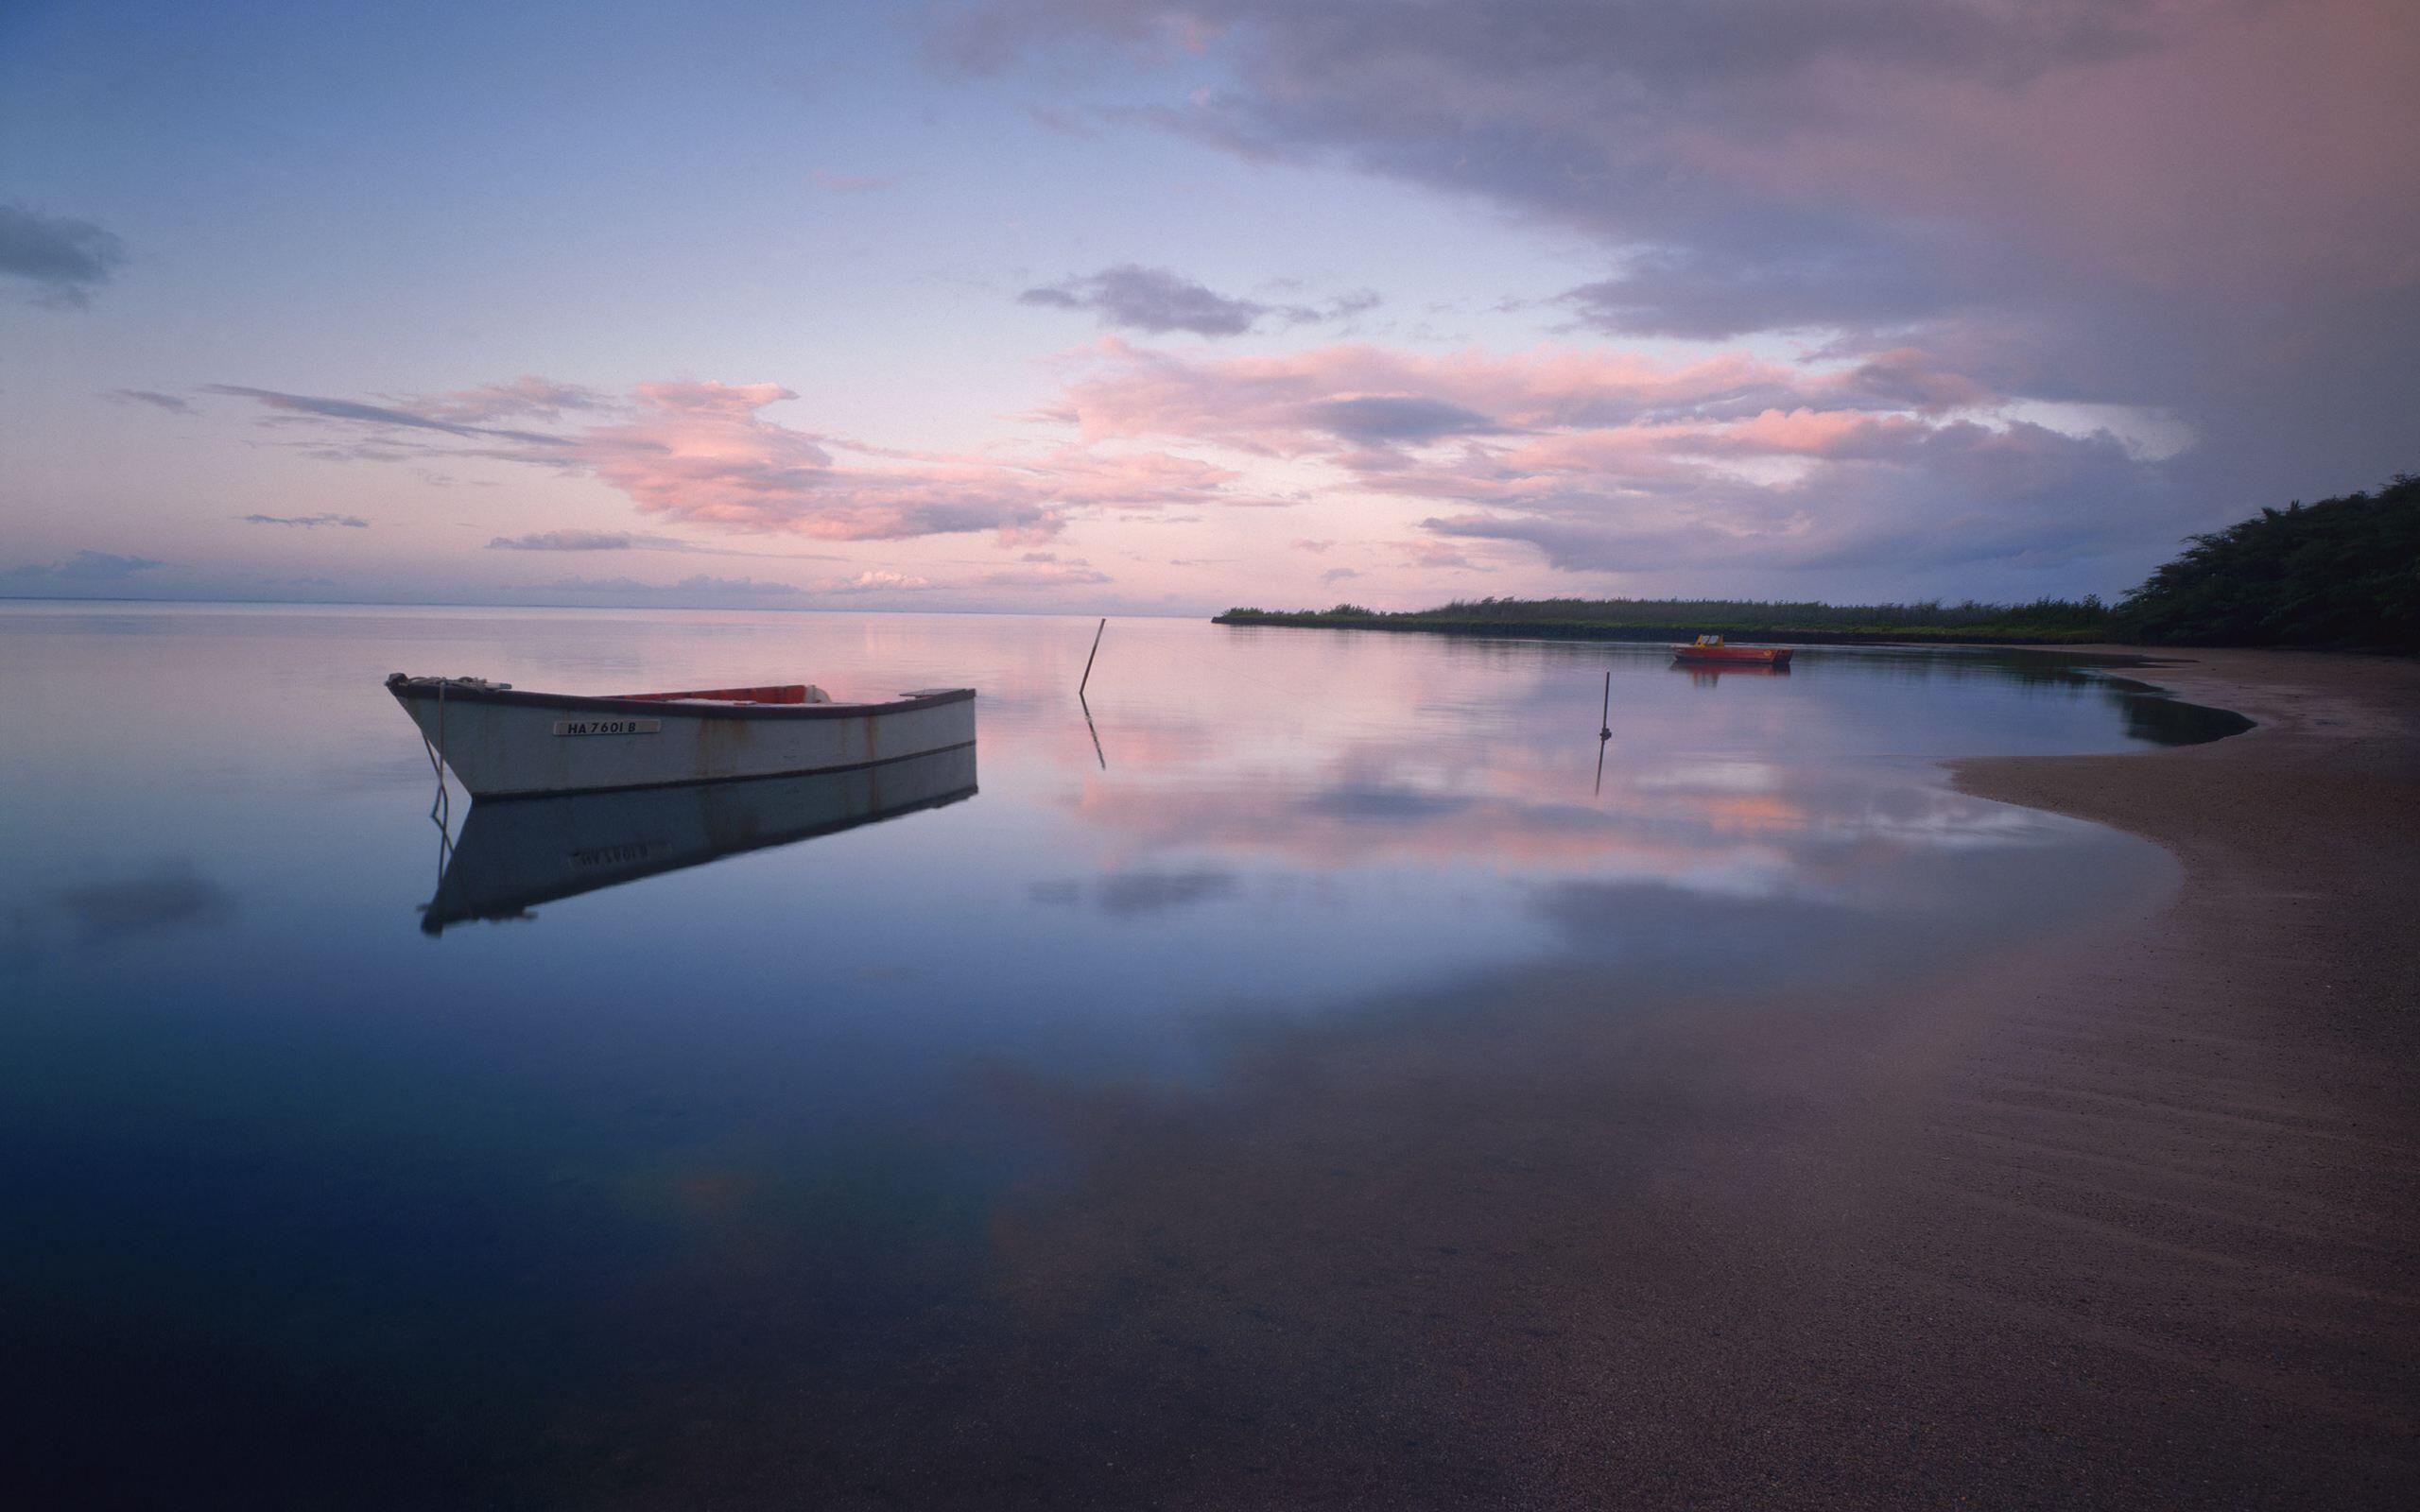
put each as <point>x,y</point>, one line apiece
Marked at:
<point>1088,659</point>
<point>1604,733</point>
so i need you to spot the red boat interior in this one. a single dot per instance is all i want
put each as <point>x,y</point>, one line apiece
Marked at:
<point>790,693</point>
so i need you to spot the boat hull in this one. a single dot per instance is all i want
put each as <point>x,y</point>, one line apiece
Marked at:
<point>1735,656</point>
<point>502,743</point>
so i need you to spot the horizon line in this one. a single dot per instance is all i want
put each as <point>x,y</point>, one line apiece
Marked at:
<point>678,609</point>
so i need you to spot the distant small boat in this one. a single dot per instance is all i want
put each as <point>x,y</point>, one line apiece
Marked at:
<point>1711,648</point>
<point>502,742</point>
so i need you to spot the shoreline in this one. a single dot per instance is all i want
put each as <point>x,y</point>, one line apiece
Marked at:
<point>2207,1121</point>
<point>2117,1219</point>
<point>1650,634</point>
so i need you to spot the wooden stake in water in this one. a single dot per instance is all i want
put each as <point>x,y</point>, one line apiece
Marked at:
<point>1088,659</point>
<point>1604,731</point>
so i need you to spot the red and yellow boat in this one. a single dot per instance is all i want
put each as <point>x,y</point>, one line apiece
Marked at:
<point>1710,648</point>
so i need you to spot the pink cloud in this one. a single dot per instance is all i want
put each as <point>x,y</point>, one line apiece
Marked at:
<point>706,453</point>
<point>1609,460</point>
<point>1594,458</point>
<point>1438,556</point>
<point>875,581</point>
<point>1309,400</point>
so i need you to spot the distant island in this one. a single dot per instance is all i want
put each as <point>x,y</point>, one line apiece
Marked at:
<point>2341,573</point>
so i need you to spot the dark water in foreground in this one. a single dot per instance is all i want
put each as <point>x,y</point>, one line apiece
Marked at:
<point>312,1196</point>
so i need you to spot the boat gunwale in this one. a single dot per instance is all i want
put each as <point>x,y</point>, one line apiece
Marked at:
<point>524,699</point>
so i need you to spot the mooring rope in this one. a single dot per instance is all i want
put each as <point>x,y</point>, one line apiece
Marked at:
<point>436,750</point>
<point>440,809</point>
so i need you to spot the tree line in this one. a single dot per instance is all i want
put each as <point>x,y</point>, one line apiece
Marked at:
<point>2344,572</point>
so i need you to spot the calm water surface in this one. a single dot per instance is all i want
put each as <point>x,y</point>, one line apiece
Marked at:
<point>318,1191</point>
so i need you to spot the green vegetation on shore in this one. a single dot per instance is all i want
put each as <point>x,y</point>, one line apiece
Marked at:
<point>2342,572</point>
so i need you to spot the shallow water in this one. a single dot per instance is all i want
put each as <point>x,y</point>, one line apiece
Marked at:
<point>322,1191</point>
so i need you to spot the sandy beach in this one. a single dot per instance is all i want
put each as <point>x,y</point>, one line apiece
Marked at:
<point>2187,1155</point>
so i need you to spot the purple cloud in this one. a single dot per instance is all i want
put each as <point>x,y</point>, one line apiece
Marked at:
<point>587,540</point>
<point>1150,299</point>
<point>2071,201</point>
<point>307,521</point>
<point>83,569</point>
<point>427,417</point>
<point>65,260</point>
<point>1157,300</point>
<point>153,398</point>
<point>1607,463</point>
<point>1396,418</point>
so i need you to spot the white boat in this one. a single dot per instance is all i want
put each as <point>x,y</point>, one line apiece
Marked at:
<point>503,742</point>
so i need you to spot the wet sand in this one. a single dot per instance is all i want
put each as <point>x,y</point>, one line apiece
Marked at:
<point>2206,1132</point>
<point>2121,1219</point>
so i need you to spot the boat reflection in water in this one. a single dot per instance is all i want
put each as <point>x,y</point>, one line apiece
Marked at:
<point>1706,674</point>
<point>515,854</point>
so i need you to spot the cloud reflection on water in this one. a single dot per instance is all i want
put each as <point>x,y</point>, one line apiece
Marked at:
<point>1020,1103</point>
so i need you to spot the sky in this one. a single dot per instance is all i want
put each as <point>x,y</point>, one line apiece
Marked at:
<point>1088,305</point>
